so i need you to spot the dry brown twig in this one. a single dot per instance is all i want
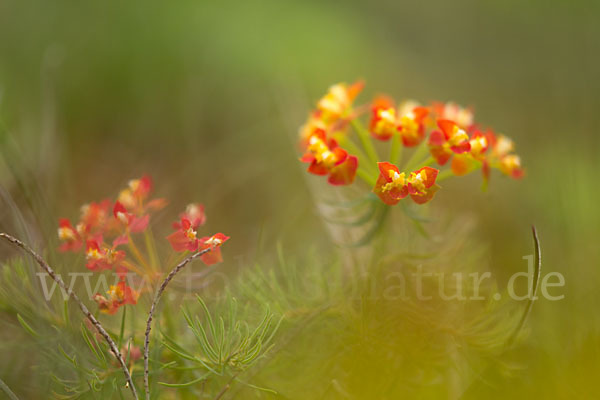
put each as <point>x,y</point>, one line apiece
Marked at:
<point>155,301</point>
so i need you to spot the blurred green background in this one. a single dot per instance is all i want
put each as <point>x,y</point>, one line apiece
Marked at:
<point>207,96</point>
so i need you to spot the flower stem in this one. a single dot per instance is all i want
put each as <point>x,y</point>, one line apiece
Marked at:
<point>155,301</point>
<point>366,176</point>
<point>396,150</point>
<point>353,148</point>
<point>151,248</point>
<point>9,393</point>
<point>46,267</point>
<point>418,154</point>
<point>444,175</point>
<point>365,140</point>
<point>136,252</point>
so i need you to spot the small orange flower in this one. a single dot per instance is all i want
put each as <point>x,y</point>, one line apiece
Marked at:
<point>100,257</point>
<point>463,117</point>
<point>450,140</point>
<point>412,123</point>
<point>338,101</point>
<point>384,121</point>
<point>503,157</point>
<point>465,163</point>
<point>327,158</point>
<point>393,185</point>
<point>129,220</point>
<point>185,238</point>
<point>118,295</point>
<point>70,238</point>
<point>215,241</point>
<point>194,213</point>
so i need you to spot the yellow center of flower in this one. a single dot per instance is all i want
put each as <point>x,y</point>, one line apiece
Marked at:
<point>190,233</point>
<point>93,254</point>
<point>398,181</point>
<point>335,101</point>
<point>478,144</point>
<point>458,136</point>
<point>503,146</point>
<point>418,181</point>
<point>510,163</point>
<point>126,198</point>
<point>321,151</point>
<point>116,293</point>
<point>213,241</point>
<point>410,127</point>
<point>66,233</point>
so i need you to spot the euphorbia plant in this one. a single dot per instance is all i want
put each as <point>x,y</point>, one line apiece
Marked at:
<point>441,134</point>
<point>108,233</point>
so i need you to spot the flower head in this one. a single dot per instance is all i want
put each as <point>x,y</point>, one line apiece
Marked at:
<point>393,185</point>
<point>412,123</point>
<point>185,237</point>
<point>194,213</point>
<point>327,158</point>
<point>337,101</point>
<point>450,139</point>
<point>70,238</point>
<point>463,117</point>
<point>384,120</point>
<point>118,295</point>
<point>101,257</point>
<point>213,242</point>
<point>129,220</point>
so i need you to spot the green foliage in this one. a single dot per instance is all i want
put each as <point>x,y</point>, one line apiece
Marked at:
<point>222,348</point>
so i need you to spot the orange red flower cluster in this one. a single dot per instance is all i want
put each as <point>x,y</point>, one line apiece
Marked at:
<point>445,131</point>
<point>105,228</point>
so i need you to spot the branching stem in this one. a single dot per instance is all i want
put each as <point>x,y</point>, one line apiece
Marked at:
<point>42,263</point>
<point>155,301</point>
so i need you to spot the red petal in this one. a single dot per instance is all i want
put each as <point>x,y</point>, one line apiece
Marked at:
<point>212,257</point>
<point>119,208</point>
<point>440,154</point>
<point>120,240</point>
<point>420,113</point>
<point>384,169</point>
<point>390,197</point>
<point>382,101</point>
<point>145,186</point>
<point>139,224</point>
<point>431,173</point>
<point>446,126</point>
<point>462,147</point>
<point>340,155</point>
<point>344,173</point>
<point>354,89</point>
<point>426,197</point>
<point>180,242</point>
<point>157,204</point>
<point>437,138</point>
<point>317,168</point>
<point>307,158</point>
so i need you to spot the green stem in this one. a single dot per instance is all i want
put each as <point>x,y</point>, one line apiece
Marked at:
<point>353,148</point>
<point>366,176</point>
<point>444,175</point>
<point>417,155</point>
<point>396,150</point>
<point>136,252</point>
<point>122,331</point>
<point>365,140</point>
<point>151,248</point>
